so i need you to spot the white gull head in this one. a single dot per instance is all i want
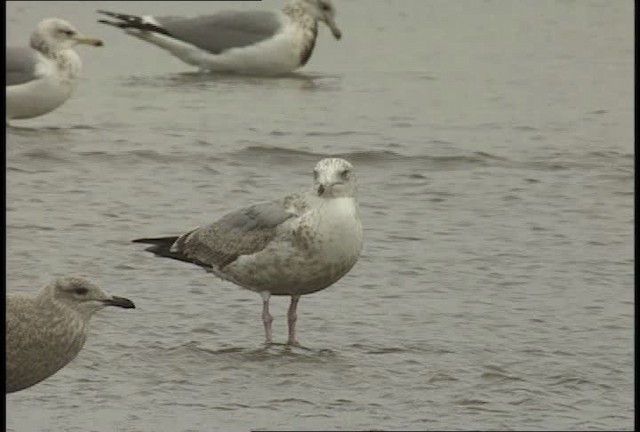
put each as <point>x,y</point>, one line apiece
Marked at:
<point>55,34</point>
<point>334,178</point>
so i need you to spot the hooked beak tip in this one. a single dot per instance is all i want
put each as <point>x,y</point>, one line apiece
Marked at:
<point>120,302</point>
<point>335,31</point>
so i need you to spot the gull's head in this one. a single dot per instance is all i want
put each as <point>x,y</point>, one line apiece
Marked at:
<point>334,178</point>
<point>54,34</point>
<point>84,296</point>
<point>323,10</point>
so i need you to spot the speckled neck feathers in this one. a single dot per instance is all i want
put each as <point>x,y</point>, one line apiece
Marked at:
<point>38,43</point>
<point>309,27</point>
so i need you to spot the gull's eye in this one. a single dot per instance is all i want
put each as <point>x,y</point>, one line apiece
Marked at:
<point>345,174</point>
<point>325,7</point>
<point>67,32</point>
<point>80,290</point>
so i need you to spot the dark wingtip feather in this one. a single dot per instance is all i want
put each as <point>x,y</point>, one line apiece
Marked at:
<point>155,240</point>
<point>131,21</point>
<point>111,23</point>
<point>161,246</point>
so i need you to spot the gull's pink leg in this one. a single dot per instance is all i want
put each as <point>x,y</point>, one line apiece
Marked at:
<point>291,320</point>
<point>267,319</point>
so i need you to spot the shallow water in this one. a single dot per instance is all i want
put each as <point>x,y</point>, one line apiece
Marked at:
<point>493,142</point>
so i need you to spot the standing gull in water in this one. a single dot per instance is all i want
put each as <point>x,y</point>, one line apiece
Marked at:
<point>243,42</point>
<point>297,245</point>
<point>42,76</point>
<point>46,332</point>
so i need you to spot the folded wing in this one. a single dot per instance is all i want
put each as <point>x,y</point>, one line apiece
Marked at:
<point>243,232</point>
<point>20,65</point>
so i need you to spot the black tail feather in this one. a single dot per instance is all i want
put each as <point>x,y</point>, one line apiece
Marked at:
<point>162,247</point>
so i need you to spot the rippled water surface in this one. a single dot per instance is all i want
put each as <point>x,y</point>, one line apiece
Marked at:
<point>493,142</point>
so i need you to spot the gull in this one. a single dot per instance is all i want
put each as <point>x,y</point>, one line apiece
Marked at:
<point>243,42</point>
<point>42,76</point>
<point>297,245</point>
<point>44,333</point>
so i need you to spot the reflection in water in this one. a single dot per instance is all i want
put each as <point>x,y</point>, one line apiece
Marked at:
<point>210,80</point>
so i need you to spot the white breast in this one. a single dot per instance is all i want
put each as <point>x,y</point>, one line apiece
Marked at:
<point>339,228</point>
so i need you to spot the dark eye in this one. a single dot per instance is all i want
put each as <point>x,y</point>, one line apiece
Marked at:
<point>325,7</point>
<point>67,32</point>
<point>345,174</point>
<point>80,290</point>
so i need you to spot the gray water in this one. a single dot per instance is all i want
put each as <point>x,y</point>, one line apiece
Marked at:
<point>493,142</point>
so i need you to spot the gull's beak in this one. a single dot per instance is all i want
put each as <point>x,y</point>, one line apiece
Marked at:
<point>87,41</point>
<point>335,31</point>
<point>323,187</point>
<point>120,302</point>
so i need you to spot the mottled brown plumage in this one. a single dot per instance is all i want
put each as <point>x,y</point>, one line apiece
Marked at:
<point>44,333</point>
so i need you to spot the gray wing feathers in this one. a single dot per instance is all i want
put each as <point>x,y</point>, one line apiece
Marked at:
<point>20,65</point>
<point>243,232</point>
<point>224,30</point>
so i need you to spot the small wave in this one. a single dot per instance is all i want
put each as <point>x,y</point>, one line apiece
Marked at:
<point>25,171</point>
<point>439,377</point>
<point>525,128</point>
<point>44,131</point>
<point>389,350</point>
<point>31,227</point>
<point>337,134</point>
<point>129,156</point>
<point>254,151</point>
<point>404,238</point>
<point>290,400</point>
<point>45,155</point>
<point>84,127</point>
<point>561,380</point>
<point>467,402</point>
<point>419,349</point>
<point>499,376</point>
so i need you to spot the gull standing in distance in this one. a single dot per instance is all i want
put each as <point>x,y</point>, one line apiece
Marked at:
<point>294,246</point>
<point>42,76</point>
<point>243,42</point>
<point>44,333</point>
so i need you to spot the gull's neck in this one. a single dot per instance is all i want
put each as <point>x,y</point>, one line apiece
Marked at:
<point>340,206</point>
<point>308,26</point>
<point>66,58</point>
<point>299,14</point>
<point>40,44</point>
<point>61,316</point>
